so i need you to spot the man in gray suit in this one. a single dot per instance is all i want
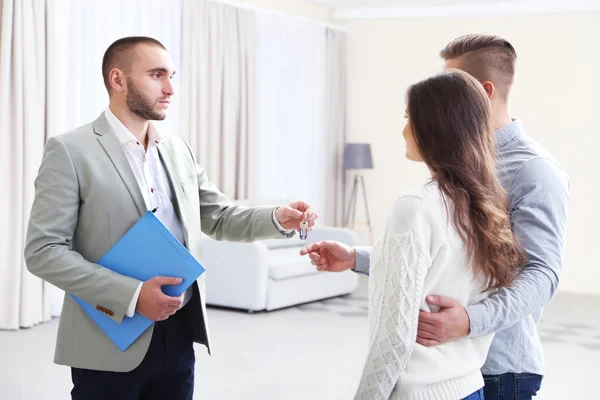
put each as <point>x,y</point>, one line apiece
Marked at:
<point>94,183</point>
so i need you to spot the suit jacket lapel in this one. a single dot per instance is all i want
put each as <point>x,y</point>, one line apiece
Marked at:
<point>113,149</point>
<point>173,174</point>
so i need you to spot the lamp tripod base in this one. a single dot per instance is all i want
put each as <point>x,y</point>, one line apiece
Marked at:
<point>359,180</point>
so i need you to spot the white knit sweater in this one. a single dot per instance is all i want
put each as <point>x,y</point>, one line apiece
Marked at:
<point>419,253</point>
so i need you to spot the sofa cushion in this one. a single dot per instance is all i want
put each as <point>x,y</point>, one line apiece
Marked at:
<point>286,263</point>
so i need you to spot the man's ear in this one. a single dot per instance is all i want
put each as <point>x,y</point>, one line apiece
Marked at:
<point>489,88</point>
<point>116,80</point>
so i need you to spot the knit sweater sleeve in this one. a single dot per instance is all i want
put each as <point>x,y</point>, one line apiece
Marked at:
<point>404,253</point>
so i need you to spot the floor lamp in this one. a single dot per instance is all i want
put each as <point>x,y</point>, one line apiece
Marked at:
<point>357,156</point>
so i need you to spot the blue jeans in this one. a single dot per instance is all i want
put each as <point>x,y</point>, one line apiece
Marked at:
<point>511,386</point>
<point>478,395</point>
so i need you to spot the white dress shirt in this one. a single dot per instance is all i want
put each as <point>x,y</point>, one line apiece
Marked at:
<point>154,184</point>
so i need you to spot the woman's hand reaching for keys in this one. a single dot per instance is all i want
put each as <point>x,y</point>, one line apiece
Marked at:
<point>290,216</point>
<point>330,256</point>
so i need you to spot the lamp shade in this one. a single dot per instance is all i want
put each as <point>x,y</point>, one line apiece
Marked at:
<point>358,156</point>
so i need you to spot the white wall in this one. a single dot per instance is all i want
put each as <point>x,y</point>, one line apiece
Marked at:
<point>291,7</point>
<point>556,95</point>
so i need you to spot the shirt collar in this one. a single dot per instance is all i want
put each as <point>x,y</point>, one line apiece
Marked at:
<point>509,132</point>
<point>124,135</point>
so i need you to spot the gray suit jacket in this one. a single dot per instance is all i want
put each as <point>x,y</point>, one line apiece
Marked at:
<point>86,198</point>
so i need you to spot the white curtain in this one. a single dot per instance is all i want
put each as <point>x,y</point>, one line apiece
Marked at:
<point>290,110</point>
<point>24,299</point>
<point>335,137</point>
<point>218,93</point>
<point>68,51</point>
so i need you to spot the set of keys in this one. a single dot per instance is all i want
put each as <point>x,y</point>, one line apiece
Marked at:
<point>303,230</point>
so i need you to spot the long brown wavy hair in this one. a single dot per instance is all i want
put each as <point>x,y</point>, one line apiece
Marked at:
<point>450,118</point>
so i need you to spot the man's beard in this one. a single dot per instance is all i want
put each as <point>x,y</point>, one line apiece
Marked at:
<point>141,105</point>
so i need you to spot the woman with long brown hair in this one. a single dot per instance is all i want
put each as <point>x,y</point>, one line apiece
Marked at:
<point>452,237</point>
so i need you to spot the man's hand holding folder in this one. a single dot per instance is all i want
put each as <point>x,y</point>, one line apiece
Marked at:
<point>153,303</point>
<point>161,295</point>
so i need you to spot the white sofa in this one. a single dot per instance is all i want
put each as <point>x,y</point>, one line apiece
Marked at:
<point>271,274</point>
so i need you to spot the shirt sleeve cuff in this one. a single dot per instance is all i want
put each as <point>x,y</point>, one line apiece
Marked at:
<point>285,232</point>
<point>131,309</point>
<point>363,260</point>
<point>477,319</point>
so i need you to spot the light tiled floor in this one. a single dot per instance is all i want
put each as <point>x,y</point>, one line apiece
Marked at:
<point>313,351</point>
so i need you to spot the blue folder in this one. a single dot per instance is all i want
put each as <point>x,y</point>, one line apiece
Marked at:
<point>147,250</point>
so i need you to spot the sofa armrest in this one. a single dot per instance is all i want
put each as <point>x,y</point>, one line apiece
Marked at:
<point>344,235</point>
<point>237,273</point>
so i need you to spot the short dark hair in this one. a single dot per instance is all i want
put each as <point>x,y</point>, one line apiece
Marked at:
<point>485,57</point>
<point>120,54</point>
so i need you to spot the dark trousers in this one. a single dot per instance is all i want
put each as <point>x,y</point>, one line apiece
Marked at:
<point>167,371</point>
<point>511,386</point>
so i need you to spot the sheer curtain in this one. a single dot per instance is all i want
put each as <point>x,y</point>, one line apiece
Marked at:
<point>218,94</point>
<point>79,31</point>
<point>290,108</point>
<point>24,299</point>
<point>335,137</point>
